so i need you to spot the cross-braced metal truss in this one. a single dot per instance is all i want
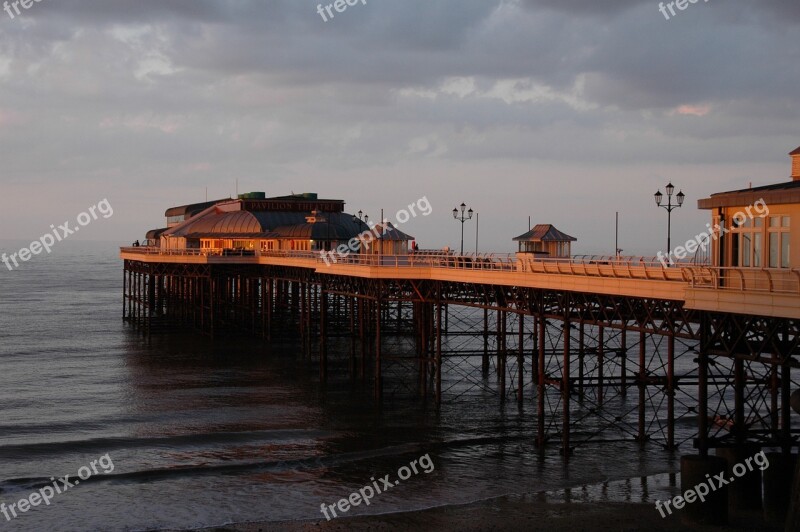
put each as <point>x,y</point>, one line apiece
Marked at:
<point>590,367</point>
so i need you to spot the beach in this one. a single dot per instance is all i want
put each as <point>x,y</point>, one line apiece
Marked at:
<point>512,513</point>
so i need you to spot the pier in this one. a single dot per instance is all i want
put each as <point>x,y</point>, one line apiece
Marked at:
<point>696,354</point>
<point>560,333</point>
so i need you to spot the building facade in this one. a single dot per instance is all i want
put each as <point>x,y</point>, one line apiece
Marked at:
<point>752,228</point>
<point>254,223</point>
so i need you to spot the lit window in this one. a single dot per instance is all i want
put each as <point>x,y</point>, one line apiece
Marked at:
<point>757,249</point>
<point>746,248</point>
<point>774,249</point>
<point>784,250</point>
<point>779,242</point>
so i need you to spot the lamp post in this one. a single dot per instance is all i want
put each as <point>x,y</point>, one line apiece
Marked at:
<point>669,208</point>
<point>462,217</point>
<point>362,219</point>
<point>477,230</point>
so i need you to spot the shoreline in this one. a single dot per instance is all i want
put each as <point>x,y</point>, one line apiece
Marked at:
<point>603,507</point>
<point>506,514</point>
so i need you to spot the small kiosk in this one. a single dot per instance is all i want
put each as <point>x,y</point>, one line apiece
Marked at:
<point>544,241</point>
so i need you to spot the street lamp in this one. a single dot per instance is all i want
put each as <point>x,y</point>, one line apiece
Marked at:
<point>462,217</point>
<point>669,208</point>
<point>362,219</point>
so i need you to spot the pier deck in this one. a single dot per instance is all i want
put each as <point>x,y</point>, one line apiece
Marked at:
<point>760,291</point>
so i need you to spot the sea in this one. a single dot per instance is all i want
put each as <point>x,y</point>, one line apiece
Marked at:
<point>179,431</point>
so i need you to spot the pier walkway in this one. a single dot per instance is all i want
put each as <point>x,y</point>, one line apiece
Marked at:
<point>761,291</point>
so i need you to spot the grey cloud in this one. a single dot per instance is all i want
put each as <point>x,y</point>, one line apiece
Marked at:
<point>201,92</point>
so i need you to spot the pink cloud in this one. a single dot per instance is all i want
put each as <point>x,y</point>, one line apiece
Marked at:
<point>693,110</point>
<point>9,118</point>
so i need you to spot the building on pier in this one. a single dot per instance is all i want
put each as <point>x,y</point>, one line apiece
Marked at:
<point>752,227</point>
<point>253,222</point>
<point>544,240</point>
<point>389,240</point>
<point>176,216</point>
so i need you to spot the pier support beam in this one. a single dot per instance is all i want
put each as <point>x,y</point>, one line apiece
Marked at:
<point>671,392</point>
<point>702,387</point>
<point>485,342</point>
<point>323,334</point>
<point>566,449</point>
<point>541,436</point>
<point>439,348</point>
<point>642,385</point>
<point>521,360</point>
<point>501,353</point>
<point>378,344</point>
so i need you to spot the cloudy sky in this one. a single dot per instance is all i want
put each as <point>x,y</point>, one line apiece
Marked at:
<point>562,110</point>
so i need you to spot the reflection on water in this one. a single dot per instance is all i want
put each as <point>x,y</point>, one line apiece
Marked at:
<point>633,490</point>
<point>204,433</point>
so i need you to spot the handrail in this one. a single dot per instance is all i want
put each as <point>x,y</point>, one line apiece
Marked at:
<point>769,280</point>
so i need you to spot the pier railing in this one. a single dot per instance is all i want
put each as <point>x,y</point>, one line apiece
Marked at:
<point>144,250</point>
<point>783,281</point>
<point>219,252</point>
<point>771,280</point>
<point>492,261</point>
<point>646,268</point>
